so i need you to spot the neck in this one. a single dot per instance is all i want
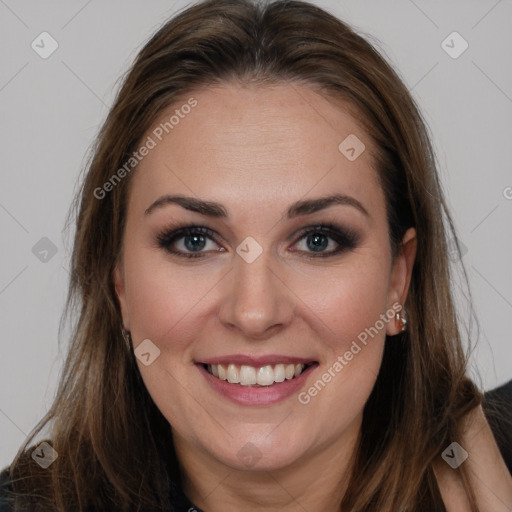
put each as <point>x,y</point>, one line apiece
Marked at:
<point>316,481</point>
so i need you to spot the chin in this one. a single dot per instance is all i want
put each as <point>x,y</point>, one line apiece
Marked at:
<point>267,451</point>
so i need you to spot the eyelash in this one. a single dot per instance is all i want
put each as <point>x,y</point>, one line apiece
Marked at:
<point>346,238</point>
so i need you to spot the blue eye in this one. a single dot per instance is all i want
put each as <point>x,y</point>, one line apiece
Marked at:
<point>194,241</point>
<point>317,239</point>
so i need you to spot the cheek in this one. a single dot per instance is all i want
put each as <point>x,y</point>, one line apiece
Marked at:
<point>350,306</point>
<point>346,299</point>
<point>162,296</point>
<point>346,307</point>
<point>166,303</point>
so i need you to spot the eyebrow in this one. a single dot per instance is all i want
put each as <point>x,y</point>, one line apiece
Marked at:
<point>213,209</point>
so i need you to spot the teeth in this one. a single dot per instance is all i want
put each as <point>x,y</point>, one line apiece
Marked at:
<point>233,374</point>
<point>279,375</point>
<point>250,376</point>
<point>223,375</point>
<point>247,375</point>
<point>265,376</point>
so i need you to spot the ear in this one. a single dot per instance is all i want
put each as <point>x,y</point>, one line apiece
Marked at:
<point>401,273</point>
<point>119,286</point>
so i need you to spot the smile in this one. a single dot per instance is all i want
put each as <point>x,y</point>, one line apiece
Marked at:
<point>267,375</point>
<point>259,381</point>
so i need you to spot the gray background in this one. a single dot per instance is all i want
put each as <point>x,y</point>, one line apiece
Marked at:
<point>52,108</point>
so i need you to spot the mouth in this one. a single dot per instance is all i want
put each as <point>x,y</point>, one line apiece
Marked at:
<point>257,376</point>
<point>257,381</point>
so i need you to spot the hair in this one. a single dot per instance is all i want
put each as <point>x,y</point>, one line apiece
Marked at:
<point>114,446</point>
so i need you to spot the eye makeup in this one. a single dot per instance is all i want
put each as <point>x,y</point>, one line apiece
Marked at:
<point>346,239</point>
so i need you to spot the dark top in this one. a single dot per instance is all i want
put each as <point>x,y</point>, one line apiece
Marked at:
<point>501,396</point>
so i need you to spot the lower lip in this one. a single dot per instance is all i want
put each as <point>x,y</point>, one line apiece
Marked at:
<point>266,395</point>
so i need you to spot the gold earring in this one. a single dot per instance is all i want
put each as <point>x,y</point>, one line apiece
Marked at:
<point>127,338</point>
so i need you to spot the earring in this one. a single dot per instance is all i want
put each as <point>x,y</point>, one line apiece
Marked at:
<point>127,338</point>
<point>402,319</point>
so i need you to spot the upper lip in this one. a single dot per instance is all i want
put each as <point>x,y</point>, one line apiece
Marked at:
<point>270,359</point>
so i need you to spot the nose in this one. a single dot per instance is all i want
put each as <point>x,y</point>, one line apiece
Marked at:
<point>256,300</point>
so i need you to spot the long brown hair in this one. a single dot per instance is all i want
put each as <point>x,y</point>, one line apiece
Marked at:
<point>115,449</point>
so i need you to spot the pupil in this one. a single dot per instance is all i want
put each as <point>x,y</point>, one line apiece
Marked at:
<point>319,242</point>
<point>194,238</point>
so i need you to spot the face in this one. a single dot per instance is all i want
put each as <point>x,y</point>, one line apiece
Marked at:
<point>269,280</point>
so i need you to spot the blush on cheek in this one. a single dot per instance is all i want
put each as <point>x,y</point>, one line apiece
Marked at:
<point>348,298</point>
<point>165,301</point>
<point>352,316</point>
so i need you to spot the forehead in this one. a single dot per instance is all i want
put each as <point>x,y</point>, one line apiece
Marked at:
<point>255,144</point>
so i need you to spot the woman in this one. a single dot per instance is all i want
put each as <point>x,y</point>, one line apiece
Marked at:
<point>261,275</point>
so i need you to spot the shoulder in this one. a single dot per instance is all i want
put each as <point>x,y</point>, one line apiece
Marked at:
<point>180,501</point>
<point>5,489</point>
<point>497,406</point>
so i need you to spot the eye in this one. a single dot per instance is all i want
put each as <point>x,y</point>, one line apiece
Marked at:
<point>188,241</point>
<point>319,238</point>
<point>195,241</point>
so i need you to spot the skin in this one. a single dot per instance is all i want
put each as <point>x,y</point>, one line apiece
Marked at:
<point>258,150</point>
<point>490,478</point>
